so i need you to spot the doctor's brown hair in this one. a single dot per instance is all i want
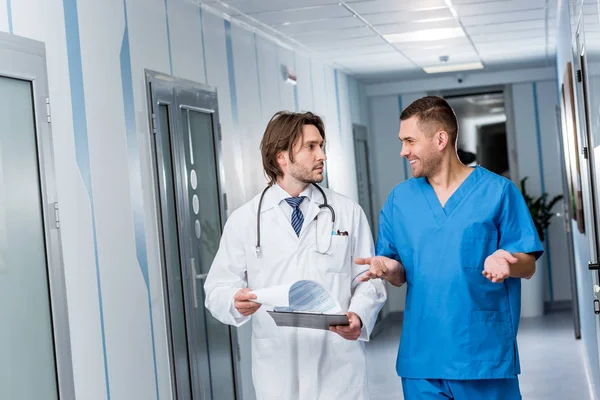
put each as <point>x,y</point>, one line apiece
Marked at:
<point>434,114</point>
<point>282,133</point>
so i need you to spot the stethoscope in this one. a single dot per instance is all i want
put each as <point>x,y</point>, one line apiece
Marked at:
<point>321,206</point>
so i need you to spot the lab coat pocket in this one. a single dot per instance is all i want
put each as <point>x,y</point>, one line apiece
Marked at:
<point>270,369</point>
<point>490,337</point>
<point>336,259</point>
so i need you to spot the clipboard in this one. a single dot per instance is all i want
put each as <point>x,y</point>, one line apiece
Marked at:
<point>308,319</point>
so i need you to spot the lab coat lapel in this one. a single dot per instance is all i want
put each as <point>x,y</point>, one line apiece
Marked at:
<point>273,216</point>
<point>312,210</point>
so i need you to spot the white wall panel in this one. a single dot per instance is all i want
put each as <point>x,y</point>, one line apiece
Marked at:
<point>4,23</point>
<point>318,87</point>
<point>218,76</point>
<point>45,22</point>
<point>304,87</point>
<point>126,304</point>
<point>149,48</point>
<point>250,129</point>
<point>285,59</point>
<point>185,33</point>
<point>269,73</point>
<point>556,243</point>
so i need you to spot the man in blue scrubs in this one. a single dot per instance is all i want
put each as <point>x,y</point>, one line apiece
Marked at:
<point>461,238</point>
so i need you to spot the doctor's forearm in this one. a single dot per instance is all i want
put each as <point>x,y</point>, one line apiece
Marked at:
<point>524,268</point>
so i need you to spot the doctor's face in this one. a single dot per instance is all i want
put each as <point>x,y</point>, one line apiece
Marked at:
<point>419,149</point>
<point>309,157</point>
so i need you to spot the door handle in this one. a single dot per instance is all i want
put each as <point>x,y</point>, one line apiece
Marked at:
<point>195,277</point>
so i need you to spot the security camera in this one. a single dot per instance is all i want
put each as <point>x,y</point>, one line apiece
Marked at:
<point>460,78</point>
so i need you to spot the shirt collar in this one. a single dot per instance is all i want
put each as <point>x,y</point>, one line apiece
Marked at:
<point>276,194</point>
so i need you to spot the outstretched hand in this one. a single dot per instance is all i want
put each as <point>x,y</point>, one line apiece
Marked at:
<point>382,267</point>
<point>497,266</point>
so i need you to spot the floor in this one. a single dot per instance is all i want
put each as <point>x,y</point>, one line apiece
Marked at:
<point>552,366</point>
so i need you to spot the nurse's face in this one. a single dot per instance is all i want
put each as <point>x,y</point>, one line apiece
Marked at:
<point>309,157</point>
<point>420,149</point>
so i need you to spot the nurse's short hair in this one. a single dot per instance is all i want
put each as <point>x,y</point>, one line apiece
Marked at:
<point>282,133</point>
<point>433,114</point>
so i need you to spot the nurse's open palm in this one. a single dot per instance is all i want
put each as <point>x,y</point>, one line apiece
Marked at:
<point>382,267</point>
<point>242,301</point>
<point>497,266</point>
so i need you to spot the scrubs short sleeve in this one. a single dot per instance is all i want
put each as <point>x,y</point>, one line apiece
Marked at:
<point>385,237</point>
<point>517,232</point>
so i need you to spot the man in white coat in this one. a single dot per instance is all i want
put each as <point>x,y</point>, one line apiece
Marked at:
<point>298,240</point>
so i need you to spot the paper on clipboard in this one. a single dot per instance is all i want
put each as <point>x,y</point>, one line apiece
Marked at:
<point>304,295</point>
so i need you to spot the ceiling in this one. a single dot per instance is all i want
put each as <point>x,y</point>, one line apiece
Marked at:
<point>353,34</point>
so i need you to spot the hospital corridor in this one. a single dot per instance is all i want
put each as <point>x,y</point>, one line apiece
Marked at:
<point>299,199</point>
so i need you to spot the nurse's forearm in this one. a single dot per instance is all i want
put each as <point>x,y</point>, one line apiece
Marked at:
<point>524,268</point>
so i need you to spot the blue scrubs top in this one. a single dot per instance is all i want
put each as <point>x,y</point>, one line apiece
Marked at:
<point>457,324</point>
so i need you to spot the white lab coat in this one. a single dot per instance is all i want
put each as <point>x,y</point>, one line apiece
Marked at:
<point>297,363</point>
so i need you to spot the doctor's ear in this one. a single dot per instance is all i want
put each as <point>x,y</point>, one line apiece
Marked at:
<point>282,158</point>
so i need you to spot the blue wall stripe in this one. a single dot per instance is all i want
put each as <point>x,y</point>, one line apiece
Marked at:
<point>203,45</point>
<point>296,103</point>
<point>260,101</point>
<point>231,70</point>
<point>135,176</point>
<point>9,12</point>
<point>80,136</point>
<point>543,184</point>
<point>168,38</point>
<point>337,100</point>
<point>406,166</point>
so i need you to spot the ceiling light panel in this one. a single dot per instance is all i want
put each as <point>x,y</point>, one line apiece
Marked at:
<point>426,35</point>
<point>440,44</point>
<point>390,29</point>
<point>398,17</point>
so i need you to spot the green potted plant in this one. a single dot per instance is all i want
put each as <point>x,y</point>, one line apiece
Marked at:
<point>540,209</point>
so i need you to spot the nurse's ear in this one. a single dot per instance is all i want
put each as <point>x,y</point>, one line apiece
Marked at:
<point>442,140</point>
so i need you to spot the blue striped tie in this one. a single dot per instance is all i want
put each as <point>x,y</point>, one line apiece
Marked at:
<point>297,217</point>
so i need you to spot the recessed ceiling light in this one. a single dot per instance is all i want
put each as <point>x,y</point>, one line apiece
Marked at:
<point>453,67</point>
<point>426,35</point>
